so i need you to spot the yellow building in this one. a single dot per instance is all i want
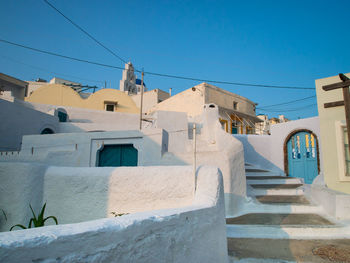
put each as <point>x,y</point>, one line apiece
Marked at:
<point>104,99</point>
<point>335,146</point>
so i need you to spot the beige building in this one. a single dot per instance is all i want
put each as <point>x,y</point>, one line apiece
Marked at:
<point>104,99</point>
<point>335,146</point>
<point>237,114</point>
<point>11,87</point>
<point>150,99</point>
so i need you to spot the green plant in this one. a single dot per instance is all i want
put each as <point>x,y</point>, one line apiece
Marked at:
<point>3,212</point>
<point>115,214</point>
<point>37,221</point>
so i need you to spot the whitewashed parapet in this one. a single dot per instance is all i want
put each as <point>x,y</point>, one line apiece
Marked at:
<point>194,233</point>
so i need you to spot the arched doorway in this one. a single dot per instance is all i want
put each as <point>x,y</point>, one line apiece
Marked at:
<point>301,155</point>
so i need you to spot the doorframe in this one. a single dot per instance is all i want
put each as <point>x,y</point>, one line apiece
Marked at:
<point>285,149</point>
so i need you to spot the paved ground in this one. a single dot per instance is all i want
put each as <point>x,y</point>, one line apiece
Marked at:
<point>275,250</point>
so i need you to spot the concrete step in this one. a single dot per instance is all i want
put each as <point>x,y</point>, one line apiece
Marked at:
<point>248,177</point>
<point>276,189</point>
<point>281,209</point>
<point>282,199</point>
<point>287,250</point>
<point>259,192</point>
<point>271,180</point>
<point>276,186</point>
<point>277,219</point>
<point>280,232</point>
<point>250,173</point>
<point>256,170</point>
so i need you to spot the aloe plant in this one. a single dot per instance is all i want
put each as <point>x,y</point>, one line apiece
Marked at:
<point>37,221</point>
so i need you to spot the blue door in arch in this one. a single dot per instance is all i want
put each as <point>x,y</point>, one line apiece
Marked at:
<point>302,156</point>
<point>118,155</point>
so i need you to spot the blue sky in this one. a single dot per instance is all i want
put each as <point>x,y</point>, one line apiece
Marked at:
<point>286,43</point>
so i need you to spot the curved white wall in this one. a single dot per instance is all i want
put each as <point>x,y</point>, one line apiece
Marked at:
<point>193,233</point>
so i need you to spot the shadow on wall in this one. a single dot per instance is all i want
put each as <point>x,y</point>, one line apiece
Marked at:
<point>22,185</point>
<point>262,144</point>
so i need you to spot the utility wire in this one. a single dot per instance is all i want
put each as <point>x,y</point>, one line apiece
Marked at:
<point>287,110</point>
<point>52,72</point>
<point>59,55</point>
<point>153,73</point>
<point>285,103</point>
<point>84,31</point>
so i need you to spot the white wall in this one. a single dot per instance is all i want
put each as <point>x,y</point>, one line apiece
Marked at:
<point>81,149</point>
<point>77,194</point>
<point>266,151</point>
<point>17,121</point>
<point>193,233</point>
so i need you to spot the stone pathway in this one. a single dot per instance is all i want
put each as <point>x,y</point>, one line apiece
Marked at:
<point>281,225</point>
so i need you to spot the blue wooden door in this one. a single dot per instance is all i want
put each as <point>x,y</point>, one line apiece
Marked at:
<point>302,156</point>
<point>118,155</point>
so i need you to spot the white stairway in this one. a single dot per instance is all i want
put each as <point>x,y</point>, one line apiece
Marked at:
<point>280,224</point>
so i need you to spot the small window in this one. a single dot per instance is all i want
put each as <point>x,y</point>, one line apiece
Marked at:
<point>62,116</point>
<point>109,107</point>
<point>235,105</point>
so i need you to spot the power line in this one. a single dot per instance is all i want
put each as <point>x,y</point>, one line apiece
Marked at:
<point>226,82</point>
<point>84,31</point>
<point>287,110</point>
<point>285,103</point>
<point>52,72</point>
<point>62,56</point>
<point>154,73</point>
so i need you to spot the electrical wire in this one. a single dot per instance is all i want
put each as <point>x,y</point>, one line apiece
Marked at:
<point>285,103</point>
<point>84,31</point>
<point>52,72</point>
<point>287,110</point>
<point>154,73</point>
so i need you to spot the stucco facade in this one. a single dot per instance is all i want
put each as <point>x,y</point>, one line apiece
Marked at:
<point>18,120</point>
<point>236,113</point>
<point>333,137</point>
<point>11,87</point>
<point>61,95</point>
<point>150,99</point>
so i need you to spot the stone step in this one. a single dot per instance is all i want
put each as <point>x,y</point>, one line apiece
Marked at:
<point>287,250</point>
<point>279,209</point>
<point>279,219</point>
<point>270,180</point>
<point>282,199</point>
<point>248,173</point>
<point>276,191</point>
<point>276,186</point>
<point>249,177</point>
<point>255,170</point>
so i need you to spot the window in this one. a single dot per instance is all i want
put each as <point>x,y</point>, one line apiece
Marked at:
<point>62,116</point>
<point>110,105</point>
<point>235,105</point>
